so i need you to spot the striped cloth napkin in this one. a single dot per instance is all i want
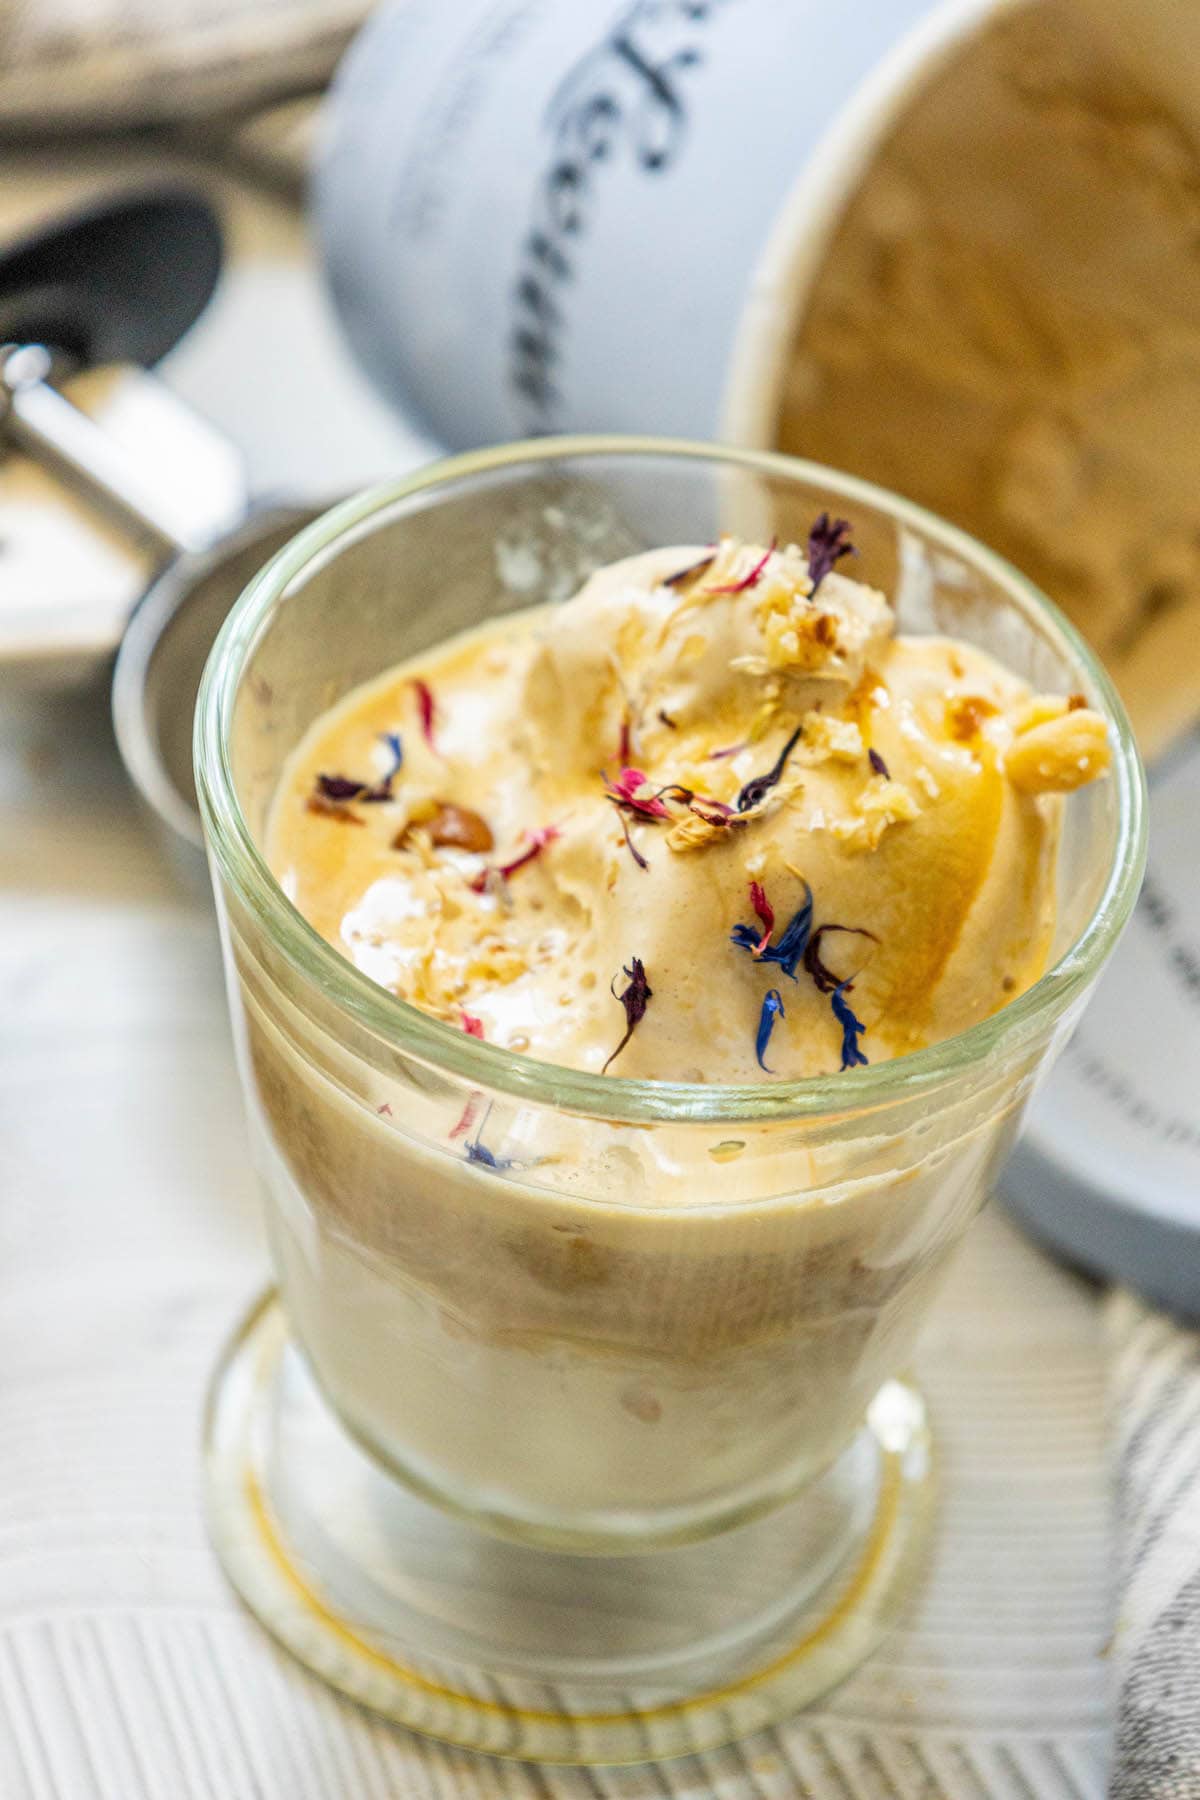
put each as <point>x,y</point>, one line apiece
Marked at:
<point>1155,1428</point>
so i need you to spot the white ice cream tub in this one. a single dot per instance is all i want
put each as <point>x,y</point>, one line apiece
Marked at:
<point>541,216</point>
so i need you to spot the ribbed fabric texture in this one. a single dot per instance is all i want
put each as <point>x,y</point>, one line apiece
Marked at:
<point>1155,1434</point>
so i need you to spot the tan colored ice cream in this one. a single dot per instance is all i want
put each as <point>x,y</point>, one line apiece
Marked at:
<point>1006,326</point>
<point>708,776</point>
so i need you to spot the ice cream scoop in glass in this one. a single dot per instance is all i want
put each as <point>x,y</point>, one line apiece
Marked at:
<point>635,995</point>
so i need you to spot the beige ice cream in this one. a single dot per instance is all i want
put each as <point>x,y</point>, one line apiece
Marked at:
<point>606,1334</point>
<point>619,738</point>
<point>1006,327</point>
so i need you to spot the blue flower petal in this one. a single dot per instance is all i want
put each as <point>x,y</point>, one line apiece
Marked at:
<point>852,1028</point>
<point>772,1009</point>
<point>791,946</point>
<point>478,1152</point>
<point>395,744</point>
<point>382,789</point>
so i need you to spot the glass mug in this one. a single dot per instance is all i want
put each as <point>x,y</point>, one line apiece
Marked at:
<point>585,1436</point>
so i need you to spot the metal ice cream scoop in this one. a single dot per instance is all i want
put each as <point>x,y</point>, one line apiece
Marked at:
<point>118,285</point>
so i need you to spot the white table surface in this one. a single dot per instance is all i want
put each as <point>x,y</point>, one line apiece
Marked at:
<point>129,1244</point>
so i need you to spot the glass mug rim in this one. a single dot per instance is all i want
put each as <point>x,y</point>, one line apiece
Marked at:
<point>405,1029</point>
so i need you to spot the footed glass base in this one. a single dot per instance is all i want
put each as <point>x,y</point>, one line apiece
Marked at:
<point>538,1654</point>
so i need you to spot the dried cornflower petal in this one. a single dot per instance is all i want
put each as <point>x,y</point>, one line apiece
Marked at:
<point>791,946</point>
<point>684,575</point>
<point>852,1028</point>
<point>478,1152</point>
<point>713,812</point>
<point>332,809</point>
<point>339,787</point>
<point>729,750</point>
<point>624,792</point>
<point>342,788</point>
<point>759,786</point>
<point>538,840</point>
<point>824,978</point>
<point>877,763</point>
<point>772,1008</point>
<point>634,1000</point>
<point>636,854</point>
<point>545,834</point>
<point>765,912</point>
<point>382,789</point>
<point>427,708</point>
<point>750,580</point>
<point>828,542</point>
<point>467,1117</point>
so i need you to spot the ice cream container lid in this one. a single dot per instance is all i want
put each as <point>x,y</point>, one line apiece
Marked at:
<point>1107,1171</point>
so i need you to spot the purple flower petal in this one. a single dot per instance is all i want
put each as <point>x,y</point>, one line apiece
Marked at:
<point>634,1000</point>
<point>827,544</point>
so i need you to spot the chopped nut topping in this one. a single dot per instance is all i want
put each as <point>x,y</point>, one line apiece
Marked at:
<point>796,637</point>
<point>1037,709</point>
<point>826,738</point>
<point>882,803</point>
<point>459,828</point>
<point>496,962</point>
<point>1059,755</point>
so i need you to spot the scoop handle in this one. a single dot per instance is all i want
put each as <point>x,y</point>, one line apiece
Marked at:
<point>43,423</point>
<point>118,283</point>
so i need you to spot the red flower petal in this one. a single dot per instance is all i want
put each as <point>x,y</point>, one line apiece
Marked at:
<point>624,791</point>
<point>467,1117</point>
<point>427,708</point>
<point>765,913</point>
<point>750,580</point>
<point>538,841</point>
